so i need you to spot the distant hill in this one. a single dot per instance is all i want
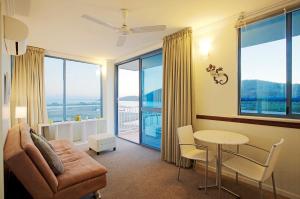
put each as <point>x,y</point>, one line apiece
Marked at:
<point>155,95</point>
<point>257,89</point>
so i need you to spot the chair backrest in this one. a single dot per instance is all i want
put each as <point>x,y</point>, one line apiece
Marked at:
<point>272,159</point>
<point>185,136</point>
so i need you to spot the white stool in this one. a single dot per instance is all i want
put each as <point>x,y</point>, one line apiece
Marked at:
<point>101,142</point>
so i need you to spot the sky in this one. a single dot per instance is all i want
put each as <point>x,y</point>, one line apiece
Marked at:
<point>82,79</point>
<point>152,76</point>
<point>296,60</point>
<point>129,81</point>
<point>152,79</point>
<point>267,61</point>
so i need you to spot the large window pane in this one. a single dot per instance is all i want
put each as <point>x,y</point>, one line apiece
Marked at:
<point>83,90</point>
<point>152,81</point>
<point>296,63</point>
<point>54,88</point>
<point>152,100</point>
<point>263,67</point>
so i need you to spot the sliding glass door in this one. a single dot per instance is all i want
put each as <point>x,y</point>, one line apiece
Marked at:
<point>139,99</point>
<point>151,100</point>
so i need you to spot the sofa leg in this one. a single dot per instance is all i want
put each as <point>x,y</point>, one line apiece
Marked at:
<point>97,194</point>
<point>115,148</point>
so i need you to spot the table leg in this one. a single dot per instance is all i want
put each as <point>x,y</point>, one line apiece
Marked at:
<point>218,184</point>
<point>220,187</point>
<point>219,169</point>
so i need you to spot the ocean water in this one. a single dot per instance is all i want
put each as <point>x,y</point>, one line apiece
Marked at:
<point>86,108</point>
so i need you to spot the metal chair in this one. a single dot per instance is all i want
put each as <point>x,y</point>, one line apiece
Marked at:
<point>253,169</point>
<point>189,150</point>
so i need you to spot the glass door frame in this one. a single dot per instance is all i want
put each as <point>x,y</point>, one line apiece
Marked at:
<point>116,93</point>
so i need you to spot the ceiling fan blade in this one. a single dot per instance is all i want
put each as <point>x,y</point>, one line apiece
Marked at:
<point>121,40</point>
<point>149,29</point>
<point>97,21</point>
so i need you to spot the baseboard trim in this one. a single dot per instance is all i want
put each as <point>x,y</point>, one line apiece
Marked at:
<point>267,187</point>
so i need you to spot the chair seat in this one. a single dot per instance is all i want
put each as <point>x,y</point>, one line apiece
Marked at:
<point>198,154</point>
<point>245,168</point>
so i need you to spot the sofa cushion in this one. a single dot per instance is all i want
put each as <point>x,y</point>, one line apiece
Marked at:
<point>49,154</point>
<point>78,165</point>
<point>42,137</point>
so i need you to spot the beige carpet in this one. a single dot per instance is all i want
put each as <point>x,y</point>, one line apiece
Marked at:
<point>136,172</point>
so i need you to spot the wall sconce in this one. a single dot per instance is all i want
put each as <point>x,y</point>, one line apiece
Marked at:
<point>205,46</point>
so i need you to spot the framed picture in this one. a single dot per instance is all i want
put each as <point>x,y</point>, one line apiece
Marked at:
<point>6,87</point>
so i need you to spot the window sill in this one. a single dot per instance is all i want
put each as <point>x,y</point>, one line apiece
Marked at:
<point>70,122</point>
<point>270,118</point>
<point>277,122</point>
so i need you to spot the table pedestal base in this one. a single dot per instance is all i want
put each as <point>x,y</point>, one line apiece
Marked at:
<point>223,188</point>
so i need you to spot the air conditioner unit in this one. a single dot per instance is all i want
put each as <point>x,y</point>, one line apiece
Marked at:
<point>15,36</point>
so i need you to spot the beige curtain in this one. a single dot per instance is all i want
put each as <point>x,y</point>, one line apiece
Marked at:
<point>28,86</point>
<point>177,99</point>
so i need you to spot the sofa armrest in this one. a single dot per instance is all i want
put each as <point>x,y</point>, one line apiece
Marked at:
<point>29,176</point>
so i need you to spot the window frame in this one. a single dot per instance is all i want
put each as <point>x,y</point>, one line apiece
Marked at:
<point>65,84</point>
<point>289,45</point>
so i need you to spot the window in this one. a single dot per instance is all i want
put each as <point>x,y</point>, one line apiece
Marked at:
<point>296,63</point>
<point>80,93</point>
<point>269,74</point>
<point>54,88</point>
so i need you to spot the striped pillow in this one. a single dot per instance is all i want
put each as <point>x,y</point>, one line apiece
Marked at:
<point>49,154</point>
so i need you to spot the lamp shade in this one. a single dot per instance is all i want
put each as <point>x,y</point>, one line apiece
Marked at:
<point>21,112</point>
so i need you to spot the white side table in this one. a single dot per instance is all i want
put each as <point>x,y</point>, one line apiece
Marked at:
<point>101,142</point>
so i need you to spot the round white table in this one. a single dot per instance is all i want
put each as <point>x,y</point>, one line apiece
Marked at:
<point>220,138</point>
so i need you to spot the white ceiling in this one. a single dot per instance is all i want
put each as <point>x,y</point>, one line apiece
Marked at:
<point>56,25</point>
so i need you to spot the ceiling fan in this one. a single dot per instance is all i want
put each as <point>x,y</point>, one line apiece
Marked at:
<point>125,30</point>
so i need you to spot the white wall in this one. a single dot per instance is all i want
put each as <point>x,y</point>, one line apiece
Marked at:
<point>212,99</point>
<point>6,69</point>
<point>5,108</point>
<point>108,75</point>
<point>1,134</point>
<point>139,52</point>
<point>100,61</point>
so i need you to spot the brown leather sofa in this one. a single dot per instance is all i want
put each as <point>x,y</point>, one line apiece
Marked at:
<point>82,174</point>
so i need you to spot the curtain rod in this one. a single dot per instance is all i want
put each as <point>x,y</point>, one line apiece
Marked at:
<point>268,11</point>
<point>278,5</point>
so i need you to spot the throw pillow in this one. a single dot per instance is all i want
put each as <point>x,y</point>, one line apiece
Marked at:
<point>42,137</point>
<point>49,154</point>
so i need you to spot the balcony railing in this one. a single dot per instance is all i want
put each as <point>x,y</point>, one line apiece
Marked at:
<point>128,118</point>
